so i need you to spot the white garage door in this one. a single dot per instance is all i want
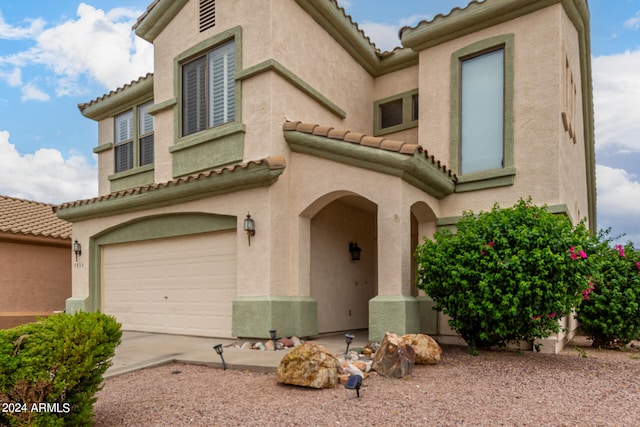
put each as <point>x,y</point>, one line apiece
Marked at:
<point>182,285</point>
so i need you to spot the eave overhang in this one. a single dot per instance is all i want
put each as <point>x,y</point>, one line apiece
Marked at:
<point>253,174</point>
<point>157,17</point>
<point>415,167</point>
<point>122,98</point>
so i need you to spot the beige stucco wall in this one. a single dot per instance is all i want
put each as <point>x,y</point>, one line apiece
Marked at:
<point>537,125</point>
<point>35,279</point>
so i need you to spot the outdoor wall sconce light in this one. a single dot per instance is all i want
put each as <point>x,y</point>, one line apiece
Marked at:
<point>249,227</point>
<point>349,339</point>
<point>272,333</point>
<point>77,249</point>
<point>218,349</point>
<point>355,251</point>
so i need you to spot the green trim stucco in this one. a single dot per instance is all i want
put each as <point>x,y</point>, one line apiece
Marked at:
<point>136,177</point>
<point>428,316</point>
<point>136,93</point>
<point>415,169</point>
<point>289,76</point>
<point>161,106</point>
<point>399,314</point>
<point>254,316</point>
<point>407,113</point>
<point>103,147</point>
<point>219,146</point>
<point>140,229</point>
<point>245,177</point>
<point>493,178</point>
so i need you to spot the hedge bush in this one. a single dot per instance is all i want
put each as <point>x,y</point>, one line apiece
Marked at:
<point>610,312</point>
<point>506,275</point>
<point>50,370</point>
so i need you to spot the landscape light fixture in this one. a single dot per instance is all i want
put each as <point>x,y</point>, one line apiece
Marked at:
<point>355,251</point>
<point>272,333</point>
<point>354,382</point>
<point>218,349</point>
<point>249,227</point>
<point>77,249</point>
<point>349,339</point>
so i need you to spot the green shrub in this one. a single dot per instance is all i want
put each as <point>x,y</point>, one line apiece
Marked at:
<point>610,312</point>
<point>506,275</point>
<point>57,365</point>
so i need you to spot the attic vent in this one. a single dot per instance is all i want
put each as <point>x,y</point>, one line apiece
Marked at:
<point>207,14</point>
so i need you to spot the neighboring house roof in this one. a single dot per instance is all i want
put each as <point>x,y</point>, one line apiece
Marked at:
<point>244,176</point>
<point>20,216</point>
<point>409,161</point>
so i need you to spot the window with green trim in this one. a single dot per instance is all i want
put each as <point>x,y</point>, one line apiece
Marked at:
<point>208,89</point>
<point>396,113</point>
<point>133,135</point>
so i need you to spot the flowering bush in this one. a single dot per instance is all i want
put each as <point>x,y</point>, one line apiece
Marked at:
<point>507,275</point>
<point>610,312</point>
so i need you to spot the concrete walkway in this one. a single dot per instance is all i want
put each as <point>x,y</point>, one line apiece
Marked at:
<point>140,350</point>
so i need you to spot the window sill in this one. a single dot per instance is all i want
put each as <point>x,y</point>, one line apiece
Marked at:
<point>207,135</point>
<point>486,179</point>
<point>131,172</point>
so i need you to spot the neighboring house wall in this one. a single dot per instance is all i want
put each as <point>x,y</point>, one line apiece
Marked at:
<point>35,279</point>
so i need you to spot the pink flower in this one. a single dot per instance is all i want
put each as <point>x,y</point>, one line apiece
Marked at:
<point>552,315</point>
<point>482,253</point>
<point>491,243</point>
<point>620,249</point>
<point>638,265</point>
<point>537,317</point>
<point>583,254</point>
<point>585,293</point>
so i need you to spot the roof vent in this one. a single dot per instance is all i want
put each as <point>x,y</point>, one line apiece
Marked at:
<point>207,14</point>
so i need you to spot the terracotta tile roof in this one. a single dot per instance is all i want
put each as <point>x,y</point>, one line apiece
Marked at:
<point>20,216</point>
<point>376,142</point>
<point>275,162</point>
<point>441,16</point>
<point>83,106</point>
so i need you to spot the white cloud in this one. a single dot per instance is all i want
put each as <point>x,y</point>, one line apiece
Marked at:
<point>97,44</point>
<point>45,175</point>
<point>633,23</point>
<point>618,207</point>
<point>616,91</point>
<point>30,92</point>
<point>9,32</point>
<point>385,35</point>
<point>13,77</point>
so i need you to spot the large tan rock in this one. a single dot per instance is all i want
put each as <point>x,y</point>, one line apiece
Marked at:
<point>427,350</point>
<point>395,358</point>
<point>309,365</point>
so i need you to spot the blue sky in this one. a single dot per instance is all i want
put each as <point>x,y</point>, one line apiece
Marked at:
<point>57,54</point>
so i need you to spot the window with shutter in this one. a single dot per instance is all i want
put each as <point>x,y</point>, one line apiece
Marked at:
<point>207,14</point>
<point>208,90</point>
<point>145,134</point>
<point>124,141</point>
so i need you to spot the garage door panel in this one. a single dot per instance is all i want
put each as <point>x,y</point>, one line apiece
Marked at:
<point>182,285</point>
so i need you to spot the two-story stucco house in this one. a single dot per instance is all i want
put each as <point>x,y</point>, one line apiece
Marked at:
<point>285,111</point>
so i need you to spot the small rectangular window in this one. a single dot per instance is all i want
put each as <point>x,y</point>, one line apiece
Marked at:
<point>414,107</point>
<point>391,114</point>
<point>145,135</point>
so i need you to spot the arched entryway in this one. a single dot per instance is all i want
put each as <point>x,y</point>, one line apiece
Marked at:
<point>341,286</point>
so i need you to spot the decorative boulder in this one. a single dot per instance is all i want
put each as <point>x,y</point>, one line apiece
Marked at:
<point>427,350</point>
<point>395,358</point>
<point>309,365</point>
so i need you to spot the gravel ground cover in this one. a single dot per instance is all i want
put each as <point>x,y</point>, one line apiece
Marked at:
<point>496,388</point>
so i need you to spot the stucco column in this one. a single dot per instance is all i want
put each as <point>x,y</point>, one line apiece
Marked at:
<point>394,309</point>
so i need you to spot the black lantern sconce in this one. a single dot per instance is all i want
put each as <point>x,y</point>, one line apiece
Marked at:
<point>349,339</point>
<point>355,251</point>
<point>272,333</point>
<point>77,249</point>
<point>249,227</point>
<point>218,349</point>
